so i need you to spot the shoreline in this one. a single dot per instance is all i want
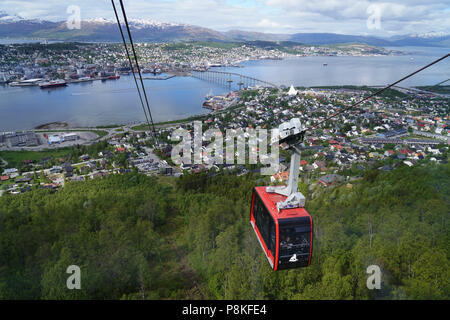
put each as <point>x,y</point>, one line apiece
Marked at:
<point>137,121</point>
<point>64,126</point>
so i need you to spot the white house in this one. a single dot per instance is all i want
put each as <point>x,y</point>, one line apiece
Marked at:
<point>292,91</point>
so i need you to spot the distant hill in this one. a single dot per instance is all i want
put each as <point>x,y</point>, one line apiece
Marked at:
<point>332,38</point>
<point>13,26</point>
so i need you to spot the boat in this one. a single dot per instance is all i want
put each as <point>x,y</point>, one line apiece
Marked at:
<point>26,83</point>
<point>114,77</point>
<point>83,79</point>
<point>3,78</point>
<point>53,84</point>
<point>209,95</point>
<point>208,104</point>
<point>325,64</point>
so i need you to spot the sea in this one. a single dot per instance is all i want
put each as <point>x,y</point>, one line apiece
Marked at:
<point>110,102</point>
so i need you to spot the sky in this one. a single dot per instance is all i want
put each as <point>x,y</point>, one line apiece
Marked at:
<point>363,17</point>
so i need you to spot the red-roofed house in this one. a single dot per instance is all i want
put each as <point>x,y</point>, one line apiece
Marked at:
<point>4,178</point>
<point>282,176</point>
<point>320,164</point>
<point>389,153</point>
<point>405,151</point>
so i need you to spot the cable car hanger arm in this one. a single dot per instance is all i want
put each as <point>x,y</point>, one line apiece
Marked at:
<point>292,133</point>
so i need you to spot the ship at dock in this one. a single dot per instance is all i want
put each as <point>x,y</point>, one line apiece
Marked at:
<point>26,83</point>
<point>52,84</point>
<point>209,95</point>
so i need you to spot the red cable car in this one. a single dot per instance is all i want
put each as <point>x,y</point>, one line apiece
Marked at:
<point>285,236</point>
<point>282,225</point>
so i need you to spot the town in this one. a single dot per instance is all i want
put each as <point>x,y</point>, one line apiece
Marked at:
<point>28,64</point>
<point>391,130</point>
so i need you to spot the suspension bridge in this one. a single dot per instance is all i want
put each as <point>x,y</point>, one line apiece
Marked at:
<point>227,78</point>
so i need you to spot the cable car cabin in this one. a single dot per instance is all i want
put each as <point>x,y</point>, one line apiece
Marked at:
<point>285,236</point>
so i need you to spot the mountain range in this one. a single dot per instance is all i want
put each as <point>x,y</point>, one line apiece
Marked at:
<point>103,30</point>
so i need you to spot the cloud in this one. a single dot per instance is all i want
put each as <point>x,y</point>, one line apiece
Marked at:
<point>275,16</point>
<point>264,23</point>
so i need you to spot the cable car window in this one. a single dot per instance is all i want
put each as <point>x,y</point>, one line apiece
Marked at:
<point>273,237</point>
<point>294,240</point>
<point>265,224</point>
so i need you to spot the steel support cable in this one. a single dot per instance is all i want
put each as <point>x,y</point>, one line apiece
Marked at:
<point>138,68</point>
<point>376,93</point>
<point>131,63</point>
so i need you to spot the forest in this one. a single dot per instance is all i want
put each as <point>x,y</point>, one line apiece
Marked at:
<point>139,237</point>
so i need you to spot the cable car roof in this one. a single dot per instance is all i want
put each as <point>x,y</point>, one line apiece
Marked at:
<point>270,201</point>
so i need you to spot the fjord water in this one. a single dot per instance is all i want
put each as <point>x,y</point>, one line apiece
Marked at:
<point>117,102</point>
<point>349,70</point>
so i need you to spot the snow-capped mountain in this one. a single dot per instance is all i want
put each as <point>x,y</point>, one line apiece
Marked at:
<point>14,26</point>
<point>6,18</point>
<point>101,29</point>
<point>147,23</point>
<point>147,30</point>
<point>135,23</point>
<point>99,21</point>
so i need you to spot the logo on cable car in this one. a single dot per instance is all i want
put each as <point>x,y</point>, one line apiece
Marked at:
<point>293,258</point>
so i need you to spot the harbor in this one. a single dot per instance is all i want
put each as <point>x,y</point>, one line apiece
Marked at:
<point>58,82</point>
<point>43,83</point>
<point>222,102</point>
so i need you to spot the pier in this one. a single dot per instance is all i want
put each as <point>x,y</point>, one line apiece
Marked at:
<point>160,78</point>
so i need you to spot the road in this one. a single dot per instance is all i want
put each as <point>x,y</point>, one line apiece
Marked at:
<point>415,90</point>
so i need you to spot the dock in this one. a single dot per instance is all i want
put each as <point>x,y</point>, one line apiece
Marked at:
<point>160,78</point>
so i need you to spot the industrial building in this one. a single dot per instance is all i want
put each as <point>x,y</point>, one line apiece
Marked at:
<point>19,139</point>
<point>59,138</point>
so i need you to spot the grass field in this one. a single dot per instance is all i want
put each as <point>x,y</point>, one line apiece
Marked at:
<point>101,133</point>
<point>15,158</point>
<point>144,127</point>
<point>436,89</point>
<point>110,126</point>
